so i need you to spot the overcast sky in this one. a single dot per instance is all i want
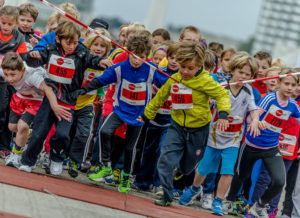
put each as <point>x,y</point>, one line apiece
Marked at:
<point>235,18</point>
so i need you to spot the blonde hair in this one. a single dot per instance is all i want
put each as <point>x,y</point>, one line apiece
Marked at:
<point>28,8</point>
<point>278,62</point>
<point>189,51</point>
<point>93,36</point>
<point>271,69</point>
<point>192,29</point>
<point>10,11</point>
<point>209,59</point>
<point>172,49</point>
<point>135,27</point>
<point>241,59</point>
<point>289,71</point>
<point>12,61</point>
<point>68,30</point>
<point>70,9</point>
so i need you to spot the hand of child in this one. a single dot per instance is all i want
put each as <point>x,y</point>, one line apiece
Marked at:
<point>35,54</point>
<point>154,89</point>
<point>254,129</point>
<point>62,112</point>
<point>222,124</point>
<point>140,119</point>
<point>105,63</point>
<point>262,125</point>
<point>33,41</point>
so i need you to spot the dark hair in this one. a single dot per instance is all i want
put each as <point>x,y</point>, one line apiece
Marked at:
<point>12,61</point>
<point>263,55</point>
<point>162,32</point>
<point>139,44</point>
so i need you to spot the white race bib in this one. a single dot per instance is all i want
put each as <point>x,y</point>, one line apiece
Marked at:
<point>276,118</point>
<point>133,93</point>
<point>236,123</point>
<point>166,108</point>
<point>89,75</point>
<point>181,97</point>
<point>287,144</point>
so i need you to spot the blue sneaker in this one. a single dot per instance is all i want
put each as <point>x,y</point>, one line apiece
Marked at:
<point>189,195</point>
<point>217,208</point>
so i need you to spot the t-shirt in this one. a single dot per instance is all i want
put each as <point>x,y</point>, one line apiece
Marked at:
<point>29,86</point>
<point>240,105</point>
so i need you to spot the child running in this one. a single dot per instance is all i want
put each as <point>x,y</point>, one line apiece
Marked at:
<point>275,109</point>
<point>224,145</point>
<point>187,135</point>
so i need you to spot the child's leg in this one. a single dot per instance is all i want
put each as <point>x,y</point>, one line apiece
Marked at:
<point>296,196</point>
<point>275,166</point>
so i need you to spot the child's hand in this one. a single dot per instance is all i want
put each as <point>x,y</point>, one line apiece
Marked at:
<point>105,63</point>
<point>62,112</point>
<point>140,119</point>
<point>33,41</point>
<point>35,54</point>
<point>254,128</point>
<point>262,125</point>
<point>222,124</point>
<point>154,89</point>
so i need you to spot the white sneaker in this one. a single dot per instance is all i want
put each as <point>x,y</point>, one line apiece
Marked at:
<point>206,201</point>
<point>46,161</point>
<point>56,167</point>
<point>26,168</point>
<point>258,211</point>
<point>12,160</point>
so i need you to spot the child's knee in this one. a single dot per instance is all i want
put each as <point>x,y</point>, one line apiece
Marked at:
<point>23,127</point>
<point>12,127</point>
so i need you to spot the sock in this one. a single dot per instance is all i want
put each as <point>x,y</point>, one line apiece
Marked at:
<point>219,199</point>
<point>17,149</point>
<point>195,189</point>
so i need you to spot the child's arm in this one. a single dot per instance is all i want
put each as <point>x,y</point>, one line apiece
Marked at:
<point>60,112</point>
<point>96,62</point>
<point>254,126</point>
<point>36,58</point>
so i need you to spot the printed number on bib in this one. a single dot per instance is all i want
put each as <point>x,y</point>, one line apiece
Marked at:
<point>89,75</point>
<point>276,118</point>
<point>61,69</point>
<point>133,93</point>
<point>235,125</point>
<point>287,144</point>
<point>181,97</point>
<point>166,108</point>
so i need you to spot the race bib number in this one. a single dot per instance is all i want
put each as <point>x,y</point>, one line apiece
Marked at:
<point>236,124</point>
<point>166,108</point>
<point>61,69</point>
<point>276,118</point>
<point>287,144</point>
<point>89,75</point>
<point>133,93</point>
<point>181,97</point>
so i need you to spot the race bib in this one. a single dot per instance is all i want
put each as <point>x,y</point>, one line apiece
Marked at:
<point>89,75</point>
<point>133,93</point>
<point>61,69</point>
<point>287,144</point>
<point>181,97</point>
<point>276,118</point>
<point>235,125</point>
<point>166,108</point>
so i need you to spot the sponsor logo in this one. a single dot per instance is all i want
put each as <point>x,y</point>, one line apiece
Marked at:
<point>131,86</point>
<point>60,61</point>
<point>281,137</point>
<point>279,113</point>
<point>175,88</point>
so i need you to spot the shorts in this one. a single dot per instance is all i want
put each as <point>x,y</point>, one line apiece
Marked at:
<point>212,157</point>
<point>26,117</point>
<point>20,105</point>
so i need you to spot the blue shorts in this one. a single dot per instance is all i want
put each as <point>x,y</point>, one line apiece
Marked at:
<point>212,157</point>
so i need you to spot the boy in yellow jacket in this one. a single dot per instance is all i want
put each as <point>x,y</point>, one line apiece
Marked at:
<point>186,138</point>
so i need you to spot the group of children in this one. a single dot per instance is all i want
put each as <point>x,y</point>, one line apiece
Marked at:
<point>180,125</point>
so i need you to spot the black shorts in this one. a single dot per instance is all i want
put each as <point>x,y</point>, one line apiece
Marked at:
<point>26,117</point>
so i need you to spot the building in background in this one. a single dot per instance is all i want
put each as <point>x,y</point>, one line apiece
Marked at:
<point>278,30</point>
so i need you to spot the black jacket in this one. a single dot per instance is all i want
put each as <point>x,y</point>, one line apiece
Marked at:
<point>83,59</point>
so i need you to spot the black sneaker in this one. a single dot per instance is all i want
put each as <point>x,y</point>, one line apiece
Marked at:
<point>163,202</point>
<point>73,168</point>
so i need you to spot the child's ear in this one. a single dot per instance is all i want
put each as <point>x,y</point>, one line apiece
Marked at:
<point>23,70</point>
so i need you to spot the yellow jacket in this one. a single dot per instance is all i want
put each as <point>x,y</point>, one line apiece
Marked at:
<point>203,86</point>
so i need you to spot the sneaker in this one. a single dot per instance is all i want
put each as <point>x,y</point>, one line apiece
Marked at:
<point>56,168</point>
<point>163,202</point>
<point>158,190</point>
<point>4,154</point>
<point>65,163</point>
<point>93,169</point>
<point>117,173</point>
<point>46,161</point>
<point>259,211</point>
<point>114,179</point>
<point>217,208</point>
<point>177,193</point>
<point>206,201</point>
<point>273,213</point>
<point>85,166</point>
<point>26,168</point>
<point>229,208</point>
<point>73,169</point>
<point>188,196</point>
<point>12,160</point>
<point>124,184</point>
<point>101,174</point>
<point>241,204</point>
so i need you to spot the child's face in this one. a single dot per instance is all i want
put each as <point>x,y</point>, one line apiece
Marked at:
<point>98,47</point>
<point>68,45</point>
<point>262,67</point>
<point>287,86</point>
<point>13,76</point>
<point>1,3</point>
<point>225,62</point>
<point>158,56</point>
<point>172,63</point>
<point>122,37</point>
<point>7,24</point>
<point>188,70</point>
<point>191,36</point>
<point>26,22</point>
<point>157,40</point>
<point>272,83</point>
<point>135,62</point>
<point>243,74</point>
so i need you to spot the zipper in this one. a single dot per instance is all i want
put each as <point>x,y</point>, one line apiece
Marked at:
<point>184,117</point>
